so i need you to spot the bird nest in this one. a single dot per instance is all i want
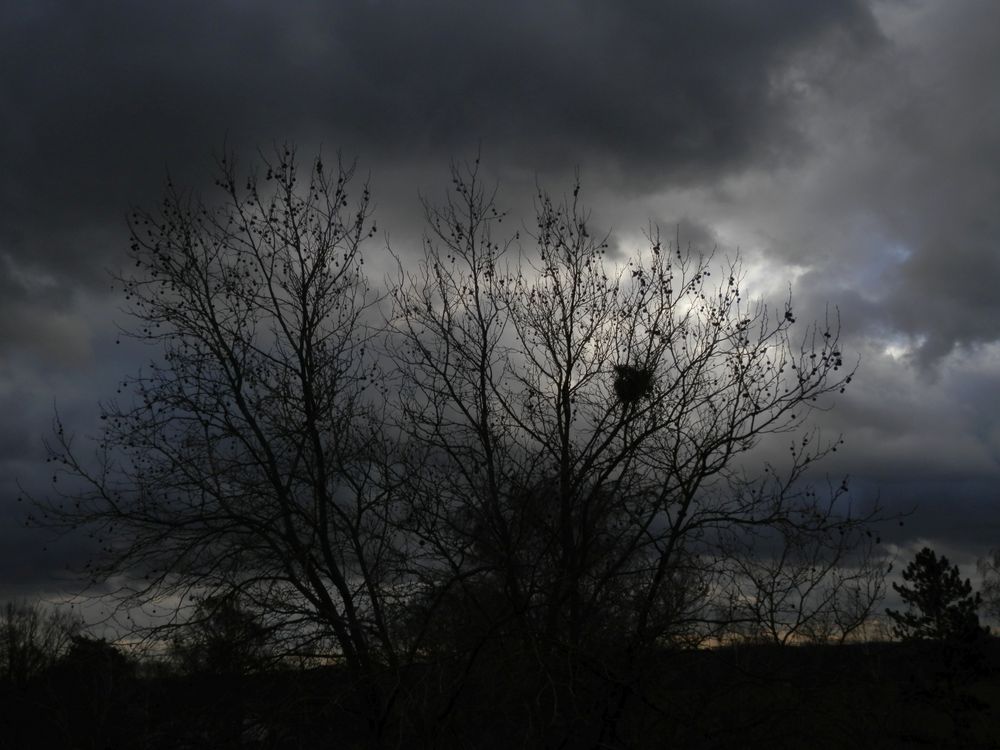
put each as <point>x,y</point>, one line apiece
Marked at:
<point>633,383</point>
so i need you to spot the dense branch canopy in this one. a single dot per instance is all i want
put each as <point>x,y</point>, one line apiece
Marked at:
<point>521,444</point>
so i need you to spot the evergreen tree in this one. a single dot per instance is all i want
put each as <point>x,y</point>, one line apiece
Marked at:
<point>940,605</point>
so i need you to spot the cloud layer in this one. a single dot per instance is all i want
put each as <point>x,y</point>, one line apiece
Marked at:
<point>849,148</point>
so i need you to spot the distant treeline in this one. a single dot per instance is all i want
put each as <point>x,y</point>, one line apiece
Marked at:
<point>871,695</point>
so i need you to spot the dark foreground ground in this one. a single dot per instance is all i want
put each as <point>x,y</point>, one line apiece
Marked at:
<point>881,696</point>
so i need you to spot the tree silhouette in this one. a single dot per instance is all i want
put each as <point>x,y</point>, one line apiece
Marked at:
<point>245,460</point>
<point>941,620</point>
<point>940,605</point>
<point>576,429</point>
<point>94,686</point>
<point>222,638</point>
<point>539,457</point>
<point>31,640</point>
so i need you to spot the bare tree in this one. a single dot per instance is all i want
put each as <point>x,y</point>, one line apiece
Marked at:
<point>584,428</point>
<point>794,584</point>
<point>222,638</point>
<point>245,462</point>
<point>566,478</point>
<point>31,640</point>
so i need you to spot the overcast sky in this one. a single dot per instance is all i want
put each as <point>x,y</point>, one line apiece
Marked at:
<point>849,149</point>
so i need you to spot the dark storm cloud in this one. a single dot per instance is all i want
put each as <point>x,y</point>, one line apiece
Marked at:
<point>860,149</point>
<point>100,101</point>
<point>900,205</point>
<point>675,90</point>
<point>105,97</point>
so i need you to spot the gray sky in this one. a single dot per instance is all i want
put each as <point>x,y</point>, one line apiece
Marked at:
<point>850,149</point>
